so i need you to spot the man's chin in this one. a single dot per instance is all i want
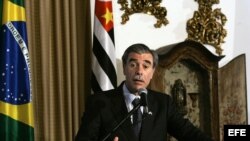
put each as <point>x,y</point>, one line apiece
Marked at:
<point>137,87</point>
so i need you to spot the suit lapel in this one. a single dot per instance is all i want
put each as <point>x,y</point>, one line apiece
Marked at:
<point>148,121</point>
<point>120,112</point>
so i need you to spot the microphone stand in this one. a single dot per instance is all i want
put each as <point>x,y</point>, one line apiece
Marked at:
<point>122,121</point>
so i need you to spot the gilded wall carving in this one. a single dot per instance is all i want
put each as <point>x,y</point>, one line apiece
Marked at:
<point>150,7</point>
<point>206,25</point>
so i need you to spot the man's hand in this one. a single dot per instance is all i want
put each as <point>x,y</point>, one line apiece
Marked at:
<point>116,139</point>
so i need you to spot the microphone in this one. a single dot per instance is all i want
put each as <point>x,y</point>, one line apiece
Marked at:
<point>144,100</point>
<point>122,121</point>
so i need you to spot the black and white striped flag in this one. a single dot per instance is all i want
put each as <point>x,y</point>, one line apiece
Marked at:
<point>103,56</point>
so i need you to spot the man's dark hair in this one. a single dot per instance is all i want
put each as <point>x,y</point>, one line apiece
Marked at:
<point>140,49</point>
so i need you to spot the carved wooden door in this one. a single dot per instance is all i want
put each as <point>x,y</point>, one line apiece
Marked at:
<point>232,93</point>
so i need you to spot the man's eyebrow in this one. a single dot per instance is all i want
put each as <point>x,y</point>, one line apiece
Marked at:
<point>132,60</point>
<point>148,62</point>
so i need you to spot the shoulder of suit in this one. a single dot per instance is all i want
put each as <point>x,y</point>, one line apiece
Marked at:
<point>157,93</point>
<point>105,94</point>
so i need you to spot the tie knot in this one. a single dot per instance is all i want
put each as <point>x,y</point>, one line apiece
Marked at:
<point>136,101</point>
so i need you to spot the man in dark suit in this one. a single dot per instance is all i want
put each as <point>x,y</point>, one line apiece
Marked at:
<point>105,110</point>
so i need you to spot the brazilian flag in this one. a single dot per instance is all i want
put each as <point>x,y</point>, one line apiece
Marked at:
<point>16,109</point>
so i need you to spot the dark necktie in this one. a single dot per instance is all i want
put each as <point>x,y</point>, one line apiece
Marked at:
<point>137,118</point>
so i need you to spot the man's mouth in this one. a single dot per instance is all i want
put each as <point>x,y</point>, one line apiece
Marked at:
<point>138,78</point>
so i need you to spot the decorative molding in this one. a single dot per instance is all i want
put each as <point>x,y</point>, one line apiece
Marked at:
<point>151,7</point>
<point>206,26</point>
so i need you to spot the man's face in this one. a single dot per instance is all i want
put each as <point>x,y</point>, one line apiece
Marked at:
<point>138,71</point>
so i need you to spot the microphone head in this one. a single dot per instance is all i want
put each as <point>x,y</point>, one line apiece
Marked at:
<point>142,91</point>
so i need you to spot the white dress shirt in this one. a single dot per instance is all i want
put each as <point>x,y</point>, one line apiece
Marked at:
<point>129,97</point>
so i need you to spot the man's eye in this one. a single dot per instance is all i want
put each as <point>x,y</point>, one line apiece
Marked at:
<point>132,65</point>
<point>146,66</point>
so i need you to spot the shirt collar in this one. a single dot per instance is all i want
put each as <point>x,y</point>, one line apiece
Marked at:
<point>129,97</point>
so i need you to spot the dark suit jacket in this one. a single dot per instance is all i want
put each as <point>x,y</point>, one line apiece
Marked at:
<point>105,110</point>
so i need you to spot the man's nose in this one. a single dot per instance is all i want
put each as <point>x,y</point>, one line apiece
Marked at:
<point>139,70</point>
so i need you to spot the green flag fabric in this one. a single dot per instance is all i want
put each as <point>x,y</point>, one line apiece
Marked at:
<point>16,109</point>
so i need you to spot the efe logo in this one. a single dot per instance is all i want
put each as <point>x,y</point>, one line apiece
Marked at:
<point>236,132</point>
<point>240,132</point>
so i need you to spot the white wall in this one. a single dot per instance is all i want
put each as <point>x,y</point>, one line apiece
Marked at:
<point>140,29</point>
